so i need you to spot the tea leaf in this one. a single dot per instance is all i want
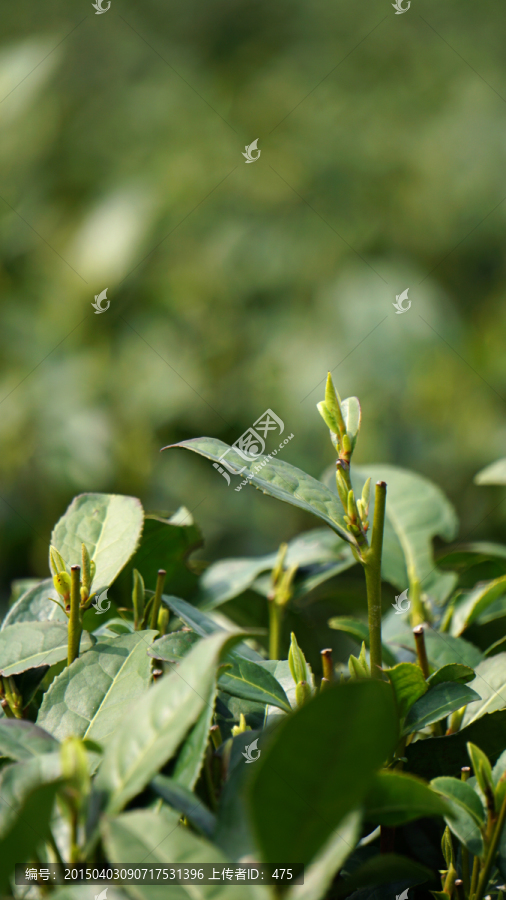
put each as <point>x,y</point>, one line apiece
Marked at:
<point>28,645</point>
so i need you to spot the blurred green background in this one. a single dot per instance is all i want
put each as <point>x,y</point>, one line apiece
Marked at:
<point>235,287</point>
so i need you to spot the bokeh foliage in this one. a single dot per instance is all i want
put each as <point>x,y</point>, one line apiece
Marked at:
<point>235,288</point>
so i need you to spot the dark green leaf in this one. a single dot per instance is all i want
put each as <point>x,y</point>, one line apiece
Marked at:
<point>91,696</point>
<point>319,874</point>
<point>204,625</point>
<point>409,685</point>
<point>294,809</point>
<point>278,479</point>
<point>385,869</point>
<point>186,802</point>
<point>438,703</point>
<point>166,543</point>
<point>396,798</point>
<point>28,645</point>
<point>250,681</point>
<point>446,755</point>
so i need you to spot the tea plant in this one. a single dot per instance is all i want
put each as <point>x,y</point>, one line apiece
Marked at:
<point>144,726</point>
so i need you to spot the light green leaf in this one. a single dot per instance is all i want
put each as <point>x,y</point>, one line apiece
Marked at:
<point>35,605</point>
<point>350,409</point>
<point>162,717</point>
<point>409,685</point>
<point>495,473</point>
<point>279,479</point>
<point>91,696</point>
<point>360,631</point>
<point>186,802</point>
<point>490,683</point>
<point>416,511</point>
<point>294,810</point>
<point>110,526</point>
<point>20,739</point>
<point>28,645</point>
<point>173,647</point>
<point>438,703</point>
<point>451,672</point>
<point>443,649</point>
<point>319,874</point>
<point>396,798</point>
<point>467,812</point>
<point>475,603</point>
<point>157,839</point>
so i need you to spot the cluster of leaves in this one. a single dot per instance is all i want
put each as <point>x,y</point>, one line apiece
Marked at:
<point>126,739</point>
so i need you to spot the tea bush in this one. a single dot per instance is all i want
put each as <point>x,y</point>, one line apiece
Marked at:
<point>148,727</point>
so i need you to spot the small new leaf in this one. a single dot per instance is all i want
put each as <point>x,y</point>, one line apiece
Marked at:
<point>482,769</point>
<point>297,661</point>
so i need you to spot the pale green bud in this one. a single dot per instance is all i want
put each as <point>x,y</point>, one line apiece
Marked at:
<point>366,493</point>
<point>302,693</point>
<point>61,582</point>
<point>241,727</point>
<point>74,764</point>
<point>447,848</point>
<point>56,561</point>
<point>296,661</point>
<point>163,620</point>
<point>138,598</point>
<point>280,562</point>
<point>333,404</point>
<point>86,572</point>
<point>327,417</point>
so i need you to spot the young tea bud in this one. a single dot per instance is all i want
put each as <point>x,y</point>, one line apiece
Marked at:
<point>333,405</point>
<point>86,572</point>
<point>296,661</point>
<point>238,729</point>
<point>61,582</point>
<point>56,561</point>
<point>138,598</point>
<point>302,693</point>
<point>327,417</point>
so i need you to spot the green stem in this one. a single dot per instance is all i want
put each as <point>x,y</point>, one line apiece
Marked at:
<point>75,622</point>
<point>417,612</point>
<point>474,877</point>
<point>372,567</point>
<point>275,619</point>
<point>160,581</point>
<point>491,853</point>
